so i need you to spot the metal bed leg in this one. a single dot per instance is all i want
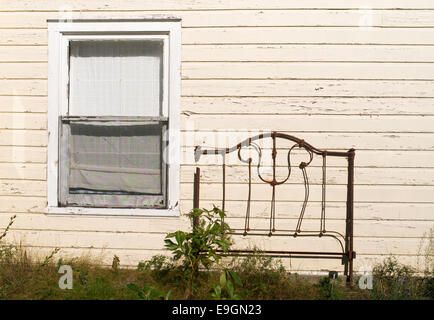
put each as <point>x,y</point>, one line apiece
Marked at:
<point>350,217</point>
<point>196,195</point>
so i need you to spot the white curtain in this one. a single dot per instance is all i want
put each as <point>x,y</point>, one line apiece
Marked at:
<point>116,78</point>
<point>115,158</point>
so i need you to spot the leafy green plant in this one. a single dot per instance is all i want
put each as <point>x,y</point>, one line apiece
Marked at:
<point>159,266</point>
<point>157,262</point>
<point>12,220</point>
<point>149,292</point>
<point>429,254</point>
<point>264,277</point>
<point>115,263</point>
<point>426,253</point>
<point>226,289</point>
<point>7,252</point>
<point>329,288</point>
<point>199,248</point>
<point>49,258</point>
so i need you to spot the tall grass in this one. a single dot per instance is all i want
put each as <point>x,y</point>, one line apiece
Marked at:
<point>25,275</point>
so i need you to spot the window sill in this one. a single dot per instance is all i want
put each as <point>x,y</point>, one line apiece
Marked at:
<point>109,212</point>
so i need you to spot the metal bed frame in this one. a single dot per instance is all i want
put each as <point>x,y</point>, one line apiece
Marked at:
<point>347,254</point>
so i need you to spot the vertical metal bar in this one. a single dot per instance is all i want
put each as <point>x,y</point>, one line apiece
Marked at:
<point>323,197</point>
<point>306,198</point>
<point>273,185</point>
<point>196,195</point>
<point>350,216</point>
<point>274,154</point>
<point>224,181</point>
<point>249,199</point>
<point>273,210</point>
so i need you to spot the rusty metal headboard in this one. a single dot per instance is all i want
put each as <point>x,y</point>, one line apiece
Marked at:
<point>346,240</point>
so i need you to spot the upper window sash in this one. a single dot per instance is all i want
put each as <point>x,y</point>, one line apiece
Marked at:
<point>67,39</point>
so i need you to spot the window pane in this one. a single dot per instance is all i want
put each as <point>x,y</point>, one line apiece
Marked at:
<point>112,163</point>
<point>116,78</point>
<point>116,158</point>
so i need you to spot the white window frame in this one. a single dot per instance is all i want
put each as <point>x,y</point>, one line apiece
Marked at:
<point>60,32</point>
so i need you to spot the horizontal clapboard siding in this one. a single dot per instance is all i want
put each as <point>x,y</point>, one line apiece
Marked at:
<point>265,35</point>
<point>256,52</point>
<point>251,122</point>
<point>368,211</point>
<point>339,141</point>
<point>101,239</point>
<point>265,88</point>
<point>243,18</point>
<point>239,173</point>
<point>264,105</point>
<point>342,53</point>
<point>147,5</point>
<point>339,74</point>
<point>161,225</point>
<point>365,159</point>
<point>368,141</point>
<point>289,88</point>
<point>265,70</point>
<point>306,106</point>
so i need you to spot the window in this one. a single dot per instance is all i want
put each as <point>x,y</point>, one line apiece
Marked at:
<point>114,91</point>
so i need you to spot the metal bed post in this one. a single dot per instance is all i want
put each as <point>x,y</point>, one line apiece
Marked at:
<point>350,254</point>
<point>196,196</point>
